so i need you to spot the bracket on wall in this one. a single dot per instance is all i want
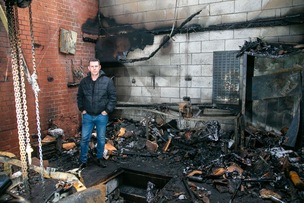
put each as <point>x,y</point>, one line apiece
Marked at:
<point>73,84</point>
<point>77,74</point>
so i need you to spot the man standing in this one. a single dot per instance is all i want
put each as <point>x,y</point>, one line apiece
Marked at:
<point>96,98</point>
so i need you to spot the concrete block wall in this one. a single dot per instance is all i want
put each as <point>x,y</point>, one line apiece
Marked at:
<point>165,77</point>
<point>56,100</point>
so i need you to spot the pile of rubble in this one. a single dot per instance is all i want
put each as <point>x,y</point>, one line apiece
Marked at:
<point>262,48</point>
<point>204,163</point>
<point>262,170</point>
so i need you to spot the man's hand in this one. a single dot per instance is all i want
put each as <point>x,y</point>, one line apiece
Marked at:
<point>84,112</point>
<point>104,113</point>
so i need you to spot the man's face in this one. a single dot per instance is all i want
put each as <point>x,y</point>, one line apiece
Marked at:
<point>94,68</point>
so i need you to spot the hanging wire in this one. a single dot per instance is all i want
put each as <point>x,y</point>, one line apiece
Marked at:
<point>175,16</point>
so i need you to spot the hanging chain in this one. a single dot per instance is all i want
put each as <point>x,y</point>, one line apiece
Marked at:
<point>28,148</point>
<point>19,89</point>
<point>24,100</point>
<point>36,91</point>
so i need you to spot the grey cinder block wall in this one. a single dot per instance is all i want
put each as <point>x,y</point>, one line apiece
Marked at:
<point>164,78</point>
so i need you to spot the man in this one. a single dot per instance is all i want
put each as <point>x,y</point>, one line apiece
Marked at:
<point>96,98</point>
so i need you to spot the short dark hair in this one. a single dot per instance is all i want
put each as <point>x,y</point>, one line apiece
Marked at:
<point>94,60</point>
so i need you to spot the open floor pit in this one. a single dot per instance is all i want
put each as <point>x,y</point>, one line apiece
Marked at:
<point>132,186</point>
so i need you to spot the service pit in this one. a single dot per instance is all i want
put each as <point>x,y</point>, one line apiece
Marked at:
<point>132,186</point>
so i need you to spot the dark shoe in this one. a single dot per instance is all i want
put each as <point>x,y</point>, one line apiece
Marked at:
<point>82,166</point>
<point>101,163</point>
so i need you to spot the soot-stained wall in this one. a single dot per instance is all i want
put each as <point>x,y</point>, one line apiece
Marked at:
<point>219,26</point>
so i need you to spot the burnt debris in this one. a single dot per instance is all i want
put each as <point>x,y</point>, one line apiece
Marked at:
<point>261,48</point>
<point>201,162</point>
<point>196,164</point>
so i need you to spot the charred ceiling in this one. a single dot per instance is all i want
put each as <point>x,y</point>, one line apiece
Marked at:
<point>116,40</point>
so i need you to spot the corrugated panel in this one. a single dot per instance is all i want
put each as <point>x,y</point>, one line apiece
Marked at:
<point>226,77</point>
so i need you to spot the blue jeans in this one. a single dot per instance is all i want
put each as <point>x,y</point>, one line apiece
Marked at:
<point>88,123</point>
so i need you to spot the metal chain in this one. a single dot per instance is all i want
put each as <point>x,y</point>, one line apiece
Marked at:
<point>36,91</point>
<point>19,88</point>
<point>28,148</point>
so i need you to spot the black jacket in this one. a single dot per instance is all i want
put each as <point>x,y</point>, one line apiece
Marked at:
<point>96,98</point>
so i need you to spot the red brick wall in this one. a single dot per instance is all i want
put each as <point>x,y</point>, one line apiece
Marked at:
<point>56,100</point>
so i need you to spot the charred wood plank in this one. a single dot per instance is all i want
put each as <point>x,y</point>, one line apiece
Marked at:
<point>192,195</point>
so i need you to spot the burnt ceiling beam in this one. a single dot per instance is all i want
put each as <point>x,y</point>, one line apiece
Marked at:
<point>265,22</point>
<point>90,27</point>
